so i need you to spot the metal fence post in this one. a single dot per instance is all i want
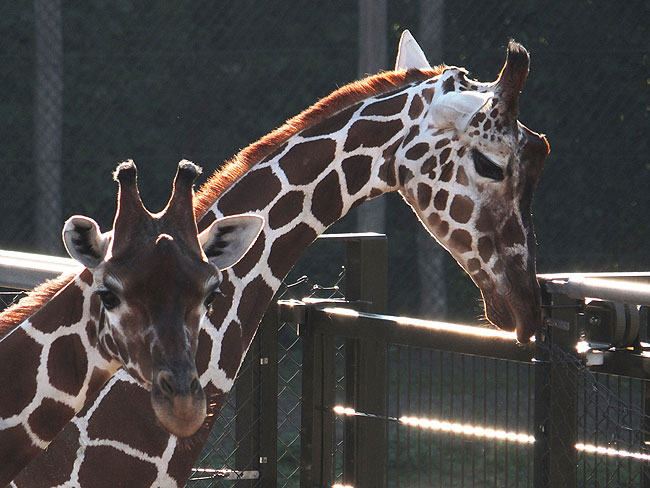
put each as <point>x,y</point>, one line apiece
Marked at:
<point>365,442</point>
<point>268,339</point>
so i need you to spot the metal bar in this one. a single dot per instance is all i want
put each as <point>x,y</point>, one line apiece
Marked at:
<point>268,333</point>
<point>247,409</point>
<point>605,289</point>
<point>25,270</point>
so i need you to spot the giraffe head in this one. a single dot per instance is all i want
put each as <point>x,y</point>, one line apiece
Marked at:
<point>155,277</point>
<point>469,169</point>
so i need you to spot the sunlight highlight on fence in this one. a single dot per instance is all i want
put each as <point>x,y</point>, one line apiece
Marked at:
<point>608,451</point>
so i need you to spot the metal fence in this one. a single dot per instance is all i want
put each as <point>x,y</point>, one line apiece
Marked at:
<point>333,395</point>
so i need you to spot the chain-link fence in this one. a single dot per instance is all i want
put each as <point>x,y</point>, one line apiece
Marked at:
<point>87,85</point>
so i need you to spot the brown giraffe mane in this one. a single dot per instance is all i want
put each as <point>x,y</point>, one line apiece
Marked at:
<point>28,305</point>
<point>232,170</point>
<point>339,100</point>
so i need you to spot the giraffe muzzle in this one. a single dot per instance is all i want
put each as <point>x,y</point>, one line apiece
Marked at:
<point>178,400</point>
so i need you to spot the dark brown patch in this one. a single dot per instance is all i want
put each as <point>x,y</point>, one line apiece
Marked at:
<point>288,247</point>
<point>276,152</point>
<point>442,143</point>
<point>253,192</point>
<point>91,332</point>
<point>331,124</point>
<point>440,200</point>
<point>448,85</point>
<point>413,132</point>
<point>203,352</point>
<point>481,278</point>
<point>357,172</point>
<point>487,125</point>
<point>371,133</point>
<point>485,248</point>
<point>86,277</point>
<point>53,466</point>
<point>135,429</point>
<point>417,151</point>
<point>326,202</point>
<point>97,379</point>
<point>49,418</point>
<point>461,208</point>
<point>63,311</point>
<point>140,474</point>
<point>512,233</point>
<point>443,228</point>
<point>67,364</point>
<point>473,265</point>
<point>416,107</point>
<point>433,220</point>
<point>386,107</point>
<point>222,303</point>
<point>18,374</point>
<point>287,208</point>
<point>485,221</point>
<point>428,93</point>
<point>109,345</point>
<point>251,258</point>
<point>256,298</point>
<point>461,241</point>
<point>461,176</point>
<point>305,161</point>
<point>232,350</point>
<point>375,192</point>
<point>387,173</point>
<point>428,166</point>
<point>424,195</point>
<point>16,450</point>
<point>447,172</point>
<point>444,155</point>
<point>405,175</point>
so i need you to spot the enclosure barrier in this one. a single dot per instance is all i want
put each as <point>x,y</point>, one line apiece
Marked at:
<point>379,400</point>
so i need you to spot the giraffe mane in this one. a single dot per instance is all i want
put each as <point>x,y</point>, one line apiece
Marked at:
<point>339,100</point>
<point>15,314</point>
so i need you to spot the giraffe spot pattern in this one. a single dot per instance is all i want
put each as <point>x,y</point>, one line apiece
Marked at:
<point>304,162</point>
<point>461,240</point>
<point>473,265</point>
<point>461,208</point>
<point>47,419</point>
<point>67,364</point>
<point>287,248</point>
<point>357,172</point>
<point>253,192</point>
<point>447,172</point>
<point>221,304</point>
<point>16,448</point>
<point>231,350</point>
<point>440,200</point>
<point>203,351</point>
<point>442,143</point>
<point>326,202</point>
<point>512,233</point>
<point>461,177</point>
<point>424,195</point>
<point>140,473</point>
<point>414,131</point>
<point>251,311</point>
<point>485,248</point>
<point>391,106</point>
<point>428,166</point>
<point>404,175</point>
<point>331,124</point>
<point>416,107</point>
<point>448,85</point>
<point>371,133</point>
<point>485,221</point>
<point>251,258</point>
<point>19,369</point>
<point>428,93</point>
<point>287,208</point>
<point>133,427</point>
<point>67,310</point>
<point>417,151</point>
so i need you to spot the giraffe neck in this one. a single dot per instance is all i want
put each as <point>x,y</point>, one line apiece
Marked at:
<point>50,366</point>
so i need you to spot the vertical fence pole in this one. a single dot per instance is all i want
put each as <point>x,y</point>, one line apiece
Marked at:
<point>268,453</point>
<point>366,365</point>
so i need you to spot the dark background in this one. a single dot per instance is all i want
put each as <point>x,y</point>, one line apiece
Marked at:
<point>160,81</point>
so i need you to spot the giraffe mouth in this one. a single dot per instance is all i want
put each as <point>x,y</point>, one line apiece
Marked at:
<point>517,310</point>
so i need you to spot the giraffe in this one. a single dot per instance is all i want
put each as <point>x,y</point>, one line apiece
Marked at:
<point>453,148</point>
<point>137,306</point>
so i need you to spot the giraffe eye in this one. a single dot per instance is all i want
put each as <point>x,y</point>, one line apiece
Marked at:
<point>211,297</point>
<point>485,167</point>
<point>108,298</point>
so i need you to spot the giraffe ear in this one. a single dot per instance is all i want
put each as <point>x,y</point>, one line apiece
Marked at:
<point>456,109</point>
<point>228,239</point>
<point>84,242</point>
<point>410,54</point>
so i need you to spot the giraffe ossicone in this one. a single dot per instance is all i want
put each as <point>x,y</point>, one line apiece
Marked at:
<point>469,176</point>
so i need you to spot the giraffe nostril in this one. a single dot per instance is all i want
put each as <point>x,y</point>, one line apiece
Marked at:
<point>165,385</point>
<point>195,386</point>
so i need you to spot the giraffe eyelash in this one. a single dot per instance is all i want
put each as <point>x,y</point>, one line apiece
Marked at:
<point>486,167</point>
